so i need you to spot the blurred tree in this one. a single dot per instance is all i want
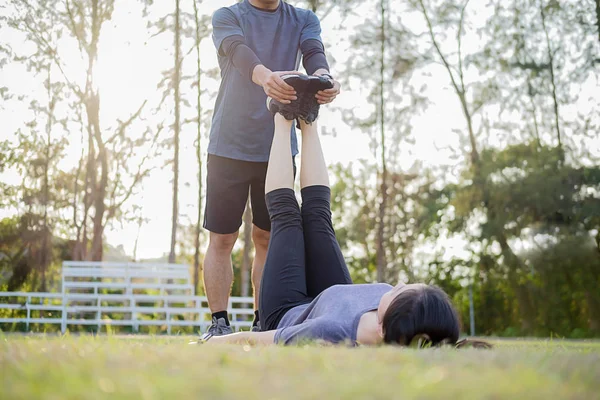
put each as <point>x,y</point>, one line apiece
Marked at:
<point>394,101</point>
<point>200,32</point>
<point>18,249</point>
<point>412,216</point>
<point>176,128</point>
<point>380,254</point>
<point>35,158</point>
<point>552,205</point>
<point>544,80</point>
<point>323,8</point>
<point>451,16</point>
<point>353,205</point>
<point>193,27</point>
<point>598,19</point>
<point>43,23</point>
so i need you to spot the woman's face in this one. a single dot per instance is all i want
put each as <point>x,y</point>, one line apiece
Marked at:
<point>387,298</point>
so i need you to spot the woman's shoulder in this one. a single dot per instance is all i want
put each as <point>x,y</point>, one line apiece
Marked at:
<point>359,287</point>
<point>353,293</point>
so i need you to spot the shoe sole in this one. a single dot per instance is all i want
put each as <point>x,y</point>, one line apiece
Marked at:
<point>314,84</point>
<point>317,85</point>
<point>284,77</point>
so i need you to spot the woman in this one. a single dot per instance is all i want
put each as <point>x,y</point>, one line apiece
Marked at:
<point>306,290</point>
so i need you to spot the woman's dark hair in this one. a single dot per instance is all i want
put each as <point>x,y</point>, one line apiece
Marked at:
<point>421,313</point>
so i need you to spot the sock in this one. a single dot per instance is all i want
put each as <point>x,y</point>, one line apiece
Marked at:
<point>221,314</point>
<point>256,319</point>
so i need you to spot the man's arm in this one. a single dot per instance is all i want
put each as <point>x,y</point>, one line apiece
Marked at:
<point>243,58</point>
<point>327,96</point>
<point>313,56</point>
<point>229,41</point>
<point>250,338</point>
<point>314,60</point>
<point>273,83</point>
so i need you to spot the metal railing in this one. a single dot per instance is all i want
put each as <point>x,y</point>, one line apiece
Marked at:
<point>167,311</point>
<point>128,299</point>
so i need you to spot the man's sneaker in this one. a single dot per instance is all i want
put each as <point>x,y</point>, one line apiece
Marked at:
<point>255,328</point>
<point>306,106</point>
<point>218,328</point>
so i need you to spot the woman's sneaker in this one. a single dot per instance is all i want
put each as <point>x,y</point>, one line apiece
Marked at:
<point>306,106</point>
<point>289,111</point>
<point>309,109</point>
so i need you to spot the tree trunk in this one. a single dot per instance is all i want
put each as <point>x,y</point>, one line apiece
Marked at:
<point>198,149</point>
<point>140,222</point>
<point>246,260</point>
<point>552,77</point>
<point>536,128</point>
<point>467,113</point>
<point>593,306</point>
<point>598,18</point>
<point>521,291</point>
<point>176,79</point>
<point>90,191</point>
<point>100,195</point>
<point>592,297</point>
<point>44,259</point>
<point>380,254</point>
<point>459,87</point>
<point>92,106</point>
<point>76,250</point>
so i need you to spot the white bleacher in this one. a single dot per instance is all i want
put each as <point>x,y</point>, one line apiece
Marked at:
<point>122,294</point>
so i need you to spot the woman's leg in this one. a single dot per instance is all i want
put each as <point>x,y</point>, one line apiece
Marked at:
<point>325,265</point>
<point>283,284</point>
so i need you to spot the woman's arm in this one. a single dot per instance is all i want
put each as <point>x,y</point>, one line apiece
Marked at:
<point>251,338</point>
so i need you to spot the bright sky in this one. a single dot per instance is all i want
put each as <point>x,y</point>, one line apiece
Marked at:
<point>129,67</point>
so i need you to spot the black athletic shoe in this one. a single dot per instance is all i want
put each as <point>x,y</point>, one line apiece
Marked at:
<point>306,107</point>
<point>309,109</point>
<point>289,111</point>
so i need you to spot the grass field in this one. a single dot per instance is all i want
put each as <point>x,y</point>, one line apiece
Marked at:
<point>85,367</point>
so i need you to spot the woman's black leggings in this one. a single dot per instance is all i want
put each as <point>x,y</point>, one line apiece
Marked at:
<point>304,257</point>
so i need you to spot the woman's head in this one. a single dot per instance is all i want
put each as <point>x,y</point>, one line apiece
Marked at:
<point>417,311</point>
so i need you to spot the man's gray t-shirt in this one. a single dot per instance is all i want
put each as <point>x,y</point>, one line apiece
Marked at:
<point>333,316</point>
<point>242,127</point>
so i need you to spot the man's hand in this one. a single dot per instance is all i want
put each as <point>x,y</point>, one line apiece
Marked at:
<point>273,85</point>
<point>327,96</point>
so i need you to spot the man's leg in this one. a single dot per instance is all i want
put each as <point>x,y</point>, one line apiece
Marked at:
<point>325,264</point>
<point>226,194</point>
<point>218,272</point>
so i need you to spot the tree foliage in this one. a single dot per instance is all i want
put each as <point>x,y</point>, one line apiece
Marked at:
<point>514,214</point>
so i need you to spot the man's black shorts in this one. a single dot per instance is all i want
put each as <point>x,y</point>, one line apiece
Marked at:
<point>228,183</point>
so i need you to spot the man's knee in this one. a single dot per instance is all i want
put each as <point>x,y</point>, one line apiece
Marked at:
<point>222,243</point>
<point>260,237</point>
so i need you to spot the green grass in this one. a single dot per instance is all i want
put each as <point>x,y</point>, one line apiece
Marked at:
<point>87,367</point>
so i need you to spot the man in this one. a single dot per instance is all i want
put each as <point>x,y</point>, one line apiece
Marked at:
<point>257,42</point>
